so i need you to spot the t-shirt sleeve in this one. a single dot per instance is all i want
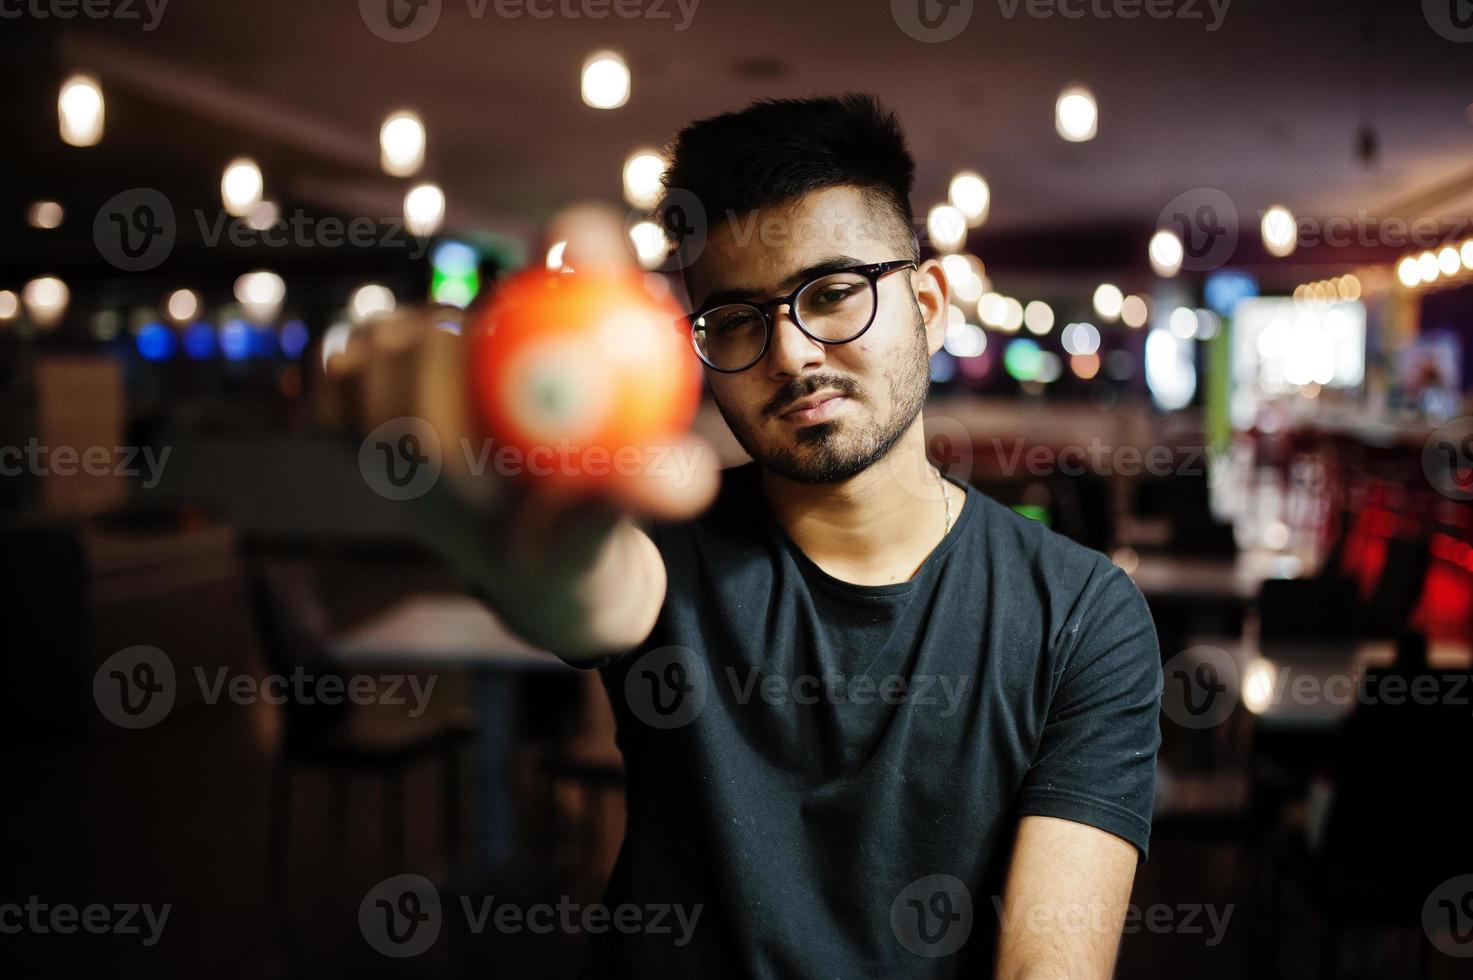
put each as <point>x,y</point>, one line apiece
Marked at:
<point>1096,758</point>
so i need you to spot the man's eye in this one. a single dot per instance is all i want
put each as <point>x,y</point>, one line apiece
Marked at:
<point>733,324</point>
<point>830,295</point>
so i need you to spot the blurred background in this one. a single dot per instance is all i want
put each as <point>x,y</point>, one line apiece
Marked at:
<point>1213,274</point>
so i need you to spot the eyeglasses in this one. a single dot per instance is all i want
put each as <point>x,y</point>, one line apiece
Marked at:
<point>834,308</point>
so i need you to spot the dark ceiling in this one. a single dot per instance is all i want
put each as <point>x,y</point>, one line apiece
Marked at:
<point>1267,108</point>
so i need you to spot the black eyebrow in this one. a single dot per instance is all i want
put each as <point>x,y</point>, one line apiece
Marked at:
<point>742,294</point>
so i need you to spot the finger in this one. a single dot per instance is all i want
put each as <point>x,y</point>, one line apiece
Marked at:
<point>679,482</point>
<point>595,237</point>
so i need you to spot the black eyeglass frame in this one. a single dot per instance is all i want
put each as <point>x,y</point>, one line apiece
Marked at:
<point>872,273</point>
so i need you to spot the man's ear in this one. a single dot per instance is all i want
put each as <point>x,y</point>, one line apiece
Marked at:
<point>933,296</point>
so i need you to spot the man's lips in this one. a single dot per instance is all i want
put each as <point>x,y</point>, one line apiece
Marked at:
<point>814,408</point>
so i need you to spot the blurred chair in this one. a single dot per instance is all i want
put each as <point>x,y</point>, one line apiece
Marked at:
<point>575,754</point>
<point>46,609</point>
<point>339,739</point>
<point>1395,826</point>
<point>1315,609</point>
<point>595,781</point>
<point>1399,587</point>
<point>1184,499</point>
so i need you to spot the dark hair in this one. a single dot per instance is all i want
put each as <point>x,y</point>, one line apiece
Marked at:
<point>777,150</point>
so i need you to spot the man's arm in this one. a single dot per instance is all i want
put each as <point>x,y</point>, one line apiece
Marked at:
<point>571,572</point>
<point>1065,901</point>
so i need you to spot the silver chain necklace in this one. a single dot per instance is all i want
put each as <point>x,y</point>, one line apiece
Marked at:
<point>945,495</point>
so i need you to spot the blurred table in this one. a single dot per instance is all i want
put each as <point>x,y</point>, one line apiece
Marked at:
<point>1300,685</point>
<point>1233,580</point>
<point>451,630</point>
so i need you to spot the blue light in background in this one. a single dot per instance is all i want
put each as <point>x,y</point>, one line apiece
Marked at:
<point>294,338</point>
<point>1225,289</point>
<point>199,341</point>
<point>235,340</point>
<point>455,259</point>
<point>943,367</point>
<point>263,341</point>
<point>155,342</point>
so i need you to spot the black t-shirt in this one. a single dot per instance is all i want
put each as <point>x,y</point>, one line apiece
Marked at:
<point>825,779</point>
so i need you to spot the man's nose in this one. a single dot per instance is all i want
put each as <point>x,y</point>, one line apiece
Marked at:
<point>791,351</point>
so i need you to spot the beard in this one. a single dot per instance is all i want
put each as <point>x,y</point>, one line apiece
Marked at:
<point>829,452</point>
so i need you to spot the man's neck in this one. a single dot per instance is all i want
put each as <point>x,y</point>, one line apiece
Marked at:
<point>875,528</point>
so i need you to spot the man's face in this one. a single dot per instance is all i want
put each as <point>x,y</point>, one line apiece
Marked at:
<point>812,412</point>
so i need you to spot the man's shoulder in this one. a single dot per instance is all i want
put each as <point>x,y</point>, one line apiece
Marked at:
<point>1019,541</point>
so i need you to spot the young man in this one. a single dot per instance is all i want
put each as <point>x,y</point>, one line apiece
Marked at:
<point>874,723</point>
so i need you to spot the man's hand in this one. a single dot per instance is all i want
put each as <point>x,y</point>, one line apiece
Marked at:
<point>568,570</point>
<point>1065,901</point>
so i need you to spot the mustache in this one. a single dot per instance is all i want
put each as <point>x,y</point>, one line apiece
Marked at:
<point>805,386</point>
